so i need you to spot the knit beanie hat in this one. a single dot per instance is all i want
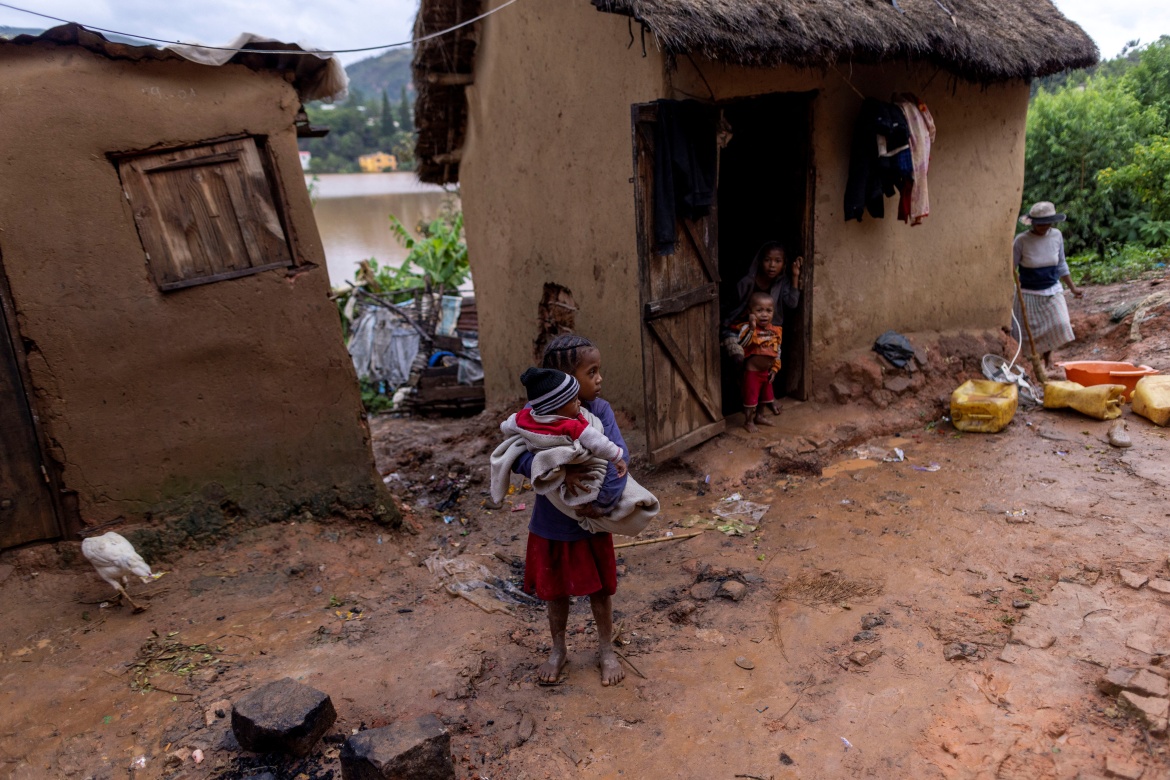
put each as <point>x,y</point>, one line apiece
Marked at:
<point>549,389</point>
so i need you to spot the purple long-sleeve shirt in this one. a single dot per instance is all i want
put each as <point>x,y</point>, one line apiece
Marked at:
<point>551,523</point>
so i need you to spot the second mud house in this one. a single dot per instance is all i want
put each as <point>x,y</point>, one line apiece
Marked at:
<point>169,356</point>
<point>546,114</point>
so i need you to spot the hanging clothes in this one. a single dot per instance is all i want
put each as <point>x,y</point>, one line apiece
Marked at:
<point>877,160</point>
<point>684,167</point>
<point>922,133</point>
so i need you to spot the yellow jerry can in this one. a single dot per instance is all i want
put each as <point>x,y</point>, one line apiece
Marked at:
<point>1101,401</point>
<point>983,406</point>
<point>1151,398</point>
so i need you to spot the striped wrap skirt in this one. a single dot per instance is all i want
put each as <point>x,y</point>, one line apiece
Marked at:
<point>1047,319</point>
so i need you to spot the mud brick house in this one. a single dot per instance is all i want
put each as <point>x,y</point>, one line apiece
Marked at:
<point>545,113</point>
<point>168,355</point>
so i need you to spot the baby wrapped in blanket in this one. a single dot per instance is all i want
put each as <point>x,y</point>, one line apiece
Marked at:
<point>559,433</point>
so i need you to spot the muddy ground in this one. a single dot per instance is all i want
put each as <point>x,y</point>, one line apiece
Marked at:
<point>1009,543</point>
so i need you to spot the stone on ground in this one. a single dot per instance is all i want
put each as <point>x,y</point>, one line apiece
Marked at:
<point>282,717</point>
<point>418,749</point>
<point>1145,684</point>
<point>1115,680</point>
<point>1037,639</point>
<point>733,589</point>
<point>1132,579</point>
<point>1159,585</point>
<point>1123,768</point>
<point>1152,711</point>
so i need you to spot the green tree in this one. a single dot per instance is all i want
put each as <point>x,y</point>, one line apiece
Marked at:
<point>1147,179</point>
<point>1150,79</point>
<point>387,120</point>
<point>1072,134</point>
<point>405,113</point>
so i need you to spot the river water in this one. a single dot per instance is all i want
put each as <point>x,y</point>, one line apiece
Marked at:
<point>352,211</point>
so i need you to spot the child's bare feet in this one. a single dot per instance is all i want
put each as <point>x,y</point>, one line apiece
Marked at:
<point>550,671</point>
<point>612,672</point>
<point>762,420</point>
<point>776,408</point>
<point>749,419</point>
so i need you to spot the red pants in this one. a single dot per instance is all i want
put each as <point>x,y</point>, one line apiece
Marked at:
<point>753,383</point>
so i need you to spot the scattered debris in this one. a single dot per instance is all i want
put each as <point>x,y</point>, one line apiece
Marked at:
<point>827,588</point>
<point>957,650</point>
<point>464,577</point>
<point>744,663</point>
<point>1117,435</point>
<point>872,620</point>
<point>865,636</point>
<point>734,507</point>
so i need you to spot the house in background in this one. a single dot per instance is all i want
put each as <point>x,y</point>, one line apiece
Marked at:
<point>306,159</point>
<point>546,114</point>
<point>169,356</point>
<point>377,162</point>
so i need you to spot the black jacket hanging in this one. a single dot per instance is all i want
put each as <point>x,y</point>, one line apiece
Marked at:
<point>684,167</point>
<point>872,178</point>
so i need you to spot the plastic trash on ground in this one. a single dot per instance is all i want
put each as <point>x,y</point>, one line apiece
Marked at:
<point>983,406</point>
<point>1102,402</point>
<point>1151,399</point>
<point>473,581</point>
<point>734,507</point>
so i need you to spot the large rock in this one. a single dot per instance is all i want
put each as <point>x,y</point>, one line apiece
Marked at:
<point>418,749</point>
<point>282,717</point>
<point>1152,711</point>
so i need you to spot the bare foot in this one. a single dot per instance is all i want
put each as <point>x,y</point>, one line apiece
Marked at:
<point>611,668</point>
<point>750,426</point>
<point>550,671</point>
<point>762,420</point>
<point>776,409</point>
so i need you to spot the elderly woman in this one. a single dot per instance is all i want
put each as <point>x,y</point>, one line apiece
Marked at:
<point>1038,257</point>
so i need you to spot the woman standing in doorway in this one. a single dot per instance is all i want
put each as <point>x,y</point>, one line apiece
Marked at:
<point>1038,258</point>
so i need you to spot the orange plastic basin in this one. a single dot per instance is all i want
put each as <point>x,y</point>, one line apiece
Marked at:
<point>1104,372</point>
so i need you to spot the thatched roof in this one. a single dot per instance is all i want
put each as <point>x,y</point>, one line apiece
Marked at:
<point>442,67</point>
<point>980,40</point>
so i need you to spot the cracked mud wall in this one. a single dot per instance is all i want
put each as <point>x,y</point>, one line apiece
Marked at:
<point>237,393</point>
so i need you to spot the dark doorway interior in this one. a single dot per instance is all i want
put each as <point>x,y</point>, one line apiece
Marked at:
<point>764,195</point>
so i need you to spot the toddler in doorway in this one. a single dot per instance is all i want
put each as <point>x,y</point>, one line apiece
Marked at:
<point>554,410</point>
<point>760,340</point>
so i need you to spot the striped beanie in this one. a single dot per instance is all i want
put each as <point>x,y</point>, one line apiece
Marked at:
<point>548,389</point>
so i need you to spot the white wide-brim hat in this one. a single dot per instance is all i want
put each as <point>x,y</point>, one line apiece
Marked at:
<point>1042,213</point>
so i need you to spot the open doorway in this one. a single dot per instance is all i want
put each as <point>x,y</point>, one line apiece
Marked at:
<point>765,194</point>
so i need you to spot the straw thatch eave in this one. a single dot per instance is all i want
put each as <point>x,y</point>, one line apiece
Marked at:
<point>983,41</point>
<point>980,40</point>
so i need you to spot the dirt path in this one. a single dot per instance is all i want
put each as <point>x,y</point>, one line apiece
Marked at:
<point>938,555</point>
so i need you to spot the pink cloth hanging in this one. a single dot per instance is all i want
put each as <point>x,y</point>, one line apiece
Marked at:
<point>922,133</point>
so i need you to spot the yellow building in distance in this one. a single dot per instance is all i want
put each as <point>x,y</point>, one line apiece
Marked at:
<point>378,162</point>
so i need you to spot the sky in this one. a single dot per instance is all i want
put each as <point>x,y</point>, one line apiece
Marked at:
<point>337,24</point>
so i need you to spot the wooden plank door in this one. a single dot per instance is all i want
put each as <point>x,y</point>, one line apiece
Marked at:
<point>27,513</point>
<point>680,316</point>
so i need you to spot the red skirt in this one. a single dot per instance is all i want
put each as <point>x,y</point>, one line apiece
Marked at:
<point>554,570</point>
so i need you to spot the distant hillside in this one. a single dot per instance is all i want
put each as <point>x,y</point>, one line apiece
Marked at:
<point>12,32</point>
<point>389,71</point>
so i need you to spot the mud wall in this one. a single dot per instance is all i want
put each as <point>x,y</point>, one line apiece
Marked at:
<point>204,406</point>
<point>546,185</point>
<point>950,272</point>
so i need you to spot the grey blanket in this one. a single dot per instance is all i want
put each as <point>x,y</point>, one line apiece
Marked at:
<point>631,514</point>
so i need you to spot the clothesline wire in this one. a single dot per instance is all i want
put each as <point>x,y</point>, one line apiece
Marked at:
<point>316,52</point>
<point>839,73</point>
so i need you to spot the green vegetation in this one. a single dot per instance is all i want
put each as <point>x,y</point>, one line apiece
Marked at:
<point>361,126</point>
<point>1098,145</point>
<point>435,261</point>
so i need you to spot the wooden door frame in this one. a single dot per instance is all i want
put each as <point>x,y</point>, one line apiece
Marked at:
<point>649,309</point>
<point>49,469</point>
<point>808,268</point>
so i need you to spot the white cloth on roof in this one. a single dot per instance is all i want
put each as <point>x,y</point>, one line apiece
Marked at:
<point>330,83</point>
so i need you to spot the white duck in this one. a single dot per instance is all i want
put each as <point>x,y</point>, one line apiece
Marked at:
<point>116,560</point>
